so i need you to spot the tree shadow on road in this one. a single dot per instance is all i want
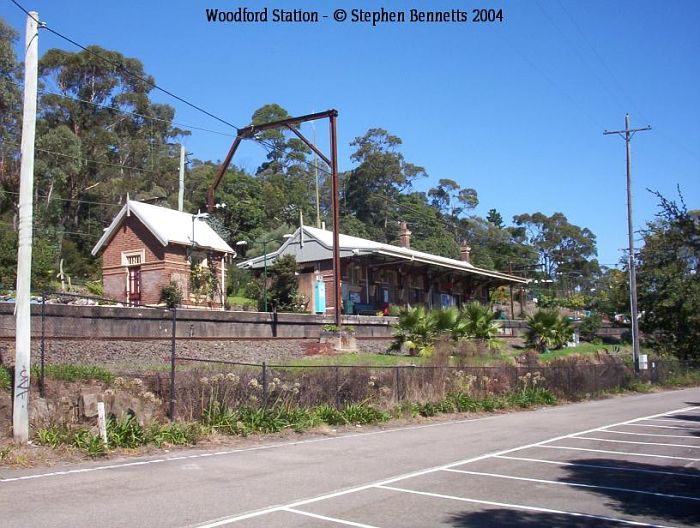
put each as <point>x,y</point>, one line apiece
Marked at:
<point>682,482</point>
<point>688,417</point>
<point>609,473</point>
<point>503,517</point>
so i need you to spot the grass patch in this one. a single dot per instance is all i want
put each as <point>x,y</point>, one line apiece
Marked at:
<point>68,372</point>
<point>357,359</point>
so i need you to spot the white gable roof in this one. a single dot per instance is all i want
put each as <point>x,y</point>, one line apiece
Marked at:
<point>168,226</point>
<point>351,245</point>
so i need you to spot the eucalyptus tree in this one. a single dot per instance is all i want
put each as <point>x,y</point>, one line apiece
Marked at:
<point>100,137</point>
<point>373,187</point>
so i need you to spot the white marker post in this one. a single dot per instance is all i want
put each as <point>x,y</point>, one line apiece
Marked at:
<point>102,422</point>
<point>20,409</point>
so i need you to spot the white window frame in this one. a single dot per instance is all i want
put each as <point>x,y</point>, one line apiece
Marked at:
<point>126,255</point>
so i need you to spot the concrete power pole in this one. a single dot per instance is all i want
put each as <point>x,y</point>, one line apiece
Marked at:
<point>181,191</point>
<point>627,134</point>
<point>20,408</point>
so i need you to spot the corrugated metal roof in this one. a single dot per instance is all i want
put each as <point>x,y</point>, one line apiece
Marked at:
<point>362,246</point>
<point>168,226</point>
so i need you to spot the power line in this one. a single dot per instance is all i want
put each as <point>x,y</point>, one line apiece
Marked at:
<point>127,112</point>
<point>121,67</point>
<point>57,198</point>
<point>37,227</point>
<point>60,154</point>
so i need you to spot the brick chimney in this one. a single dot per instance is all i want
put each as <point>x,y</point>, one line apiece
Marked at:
<point>464,251</point>
<point>404,235</point>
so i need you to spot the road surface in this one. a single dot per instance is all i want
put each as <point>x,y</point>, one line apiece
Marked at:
<point>625,461</point>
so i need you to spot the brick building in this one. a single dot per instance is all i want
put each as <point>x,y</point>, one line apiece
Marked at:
<point>374,275</point>
<point>146,247</point>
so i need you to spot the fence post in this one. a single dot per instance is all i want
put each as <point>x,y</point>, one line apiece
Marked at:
<point>337,387</point>
<point>595,378</point>
<point>397,392</point>
<point>264,383</point>
<point>42,386</point>
<point>173,340</point>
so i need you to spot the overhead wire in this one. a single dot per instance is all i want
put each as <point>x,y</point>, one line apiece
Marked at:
<point>59,199</point>
<point>123,69</point>
<point>43,91</point>
<point>87,160</point>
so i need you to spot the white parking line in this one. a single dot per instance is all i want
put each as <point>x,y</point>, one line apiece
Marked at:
<point>631,442</point>
<point>523,507</point>
<point>599,466</point>
<point>240,517</point>
<point>657,426</point>
<point>574,484</point>
<point>645,434</point>
<point>330,519</point>
<point>620,453</point>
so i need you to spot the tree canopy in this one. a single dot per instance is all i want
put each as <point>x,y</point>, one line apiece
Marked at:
<point>101,137</point>
<point>668,279</point>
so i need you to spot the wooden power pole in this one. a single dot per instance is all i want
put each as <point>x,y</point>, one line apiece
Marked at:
<point>627,134</point>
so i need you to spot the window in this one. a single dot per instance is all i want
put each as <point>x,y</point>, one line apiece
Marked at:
<point>133,258</point>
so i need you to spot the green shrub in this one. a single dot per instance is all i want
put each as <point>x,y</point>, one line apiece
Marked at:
<point>95,288</point>
<point>171,294</point>
<point>590,326</point>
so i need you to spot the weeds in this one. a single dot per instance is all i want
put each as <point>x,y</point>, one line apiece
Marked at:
<point>125,433</point>
<point>5,379</point>
<point>4,452</point>
<point>53,436</point>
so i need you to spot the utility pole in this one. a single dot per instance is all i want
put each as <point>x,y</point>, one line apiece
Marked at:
<point>318,196</point>
<point>627,135</point>
<point>181,190</point>
<point>20,408</point>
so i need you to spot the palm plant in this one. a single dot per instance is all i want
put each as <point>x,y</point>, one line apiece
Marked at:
<point>416,330</point>
<point>548,330</point>
<point>477,321</point>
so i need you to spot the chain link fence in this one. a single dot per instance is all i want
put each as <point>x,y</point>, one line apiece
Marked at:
<point>188,384</point>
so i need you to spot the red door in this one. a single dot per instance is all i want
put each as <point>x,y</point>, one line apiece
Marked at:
<point>134,293</point>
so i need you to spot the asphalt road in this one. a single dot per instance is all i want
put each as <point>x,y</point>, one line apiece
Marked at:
<point>632,460</point>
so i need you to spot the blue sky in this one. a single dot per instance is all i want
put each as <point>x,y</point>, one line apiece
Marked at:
<point>514,109</point>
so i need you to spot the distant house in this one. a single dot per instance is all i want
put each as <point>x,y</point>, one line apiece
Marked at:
<point>375,275</point>
<point>146,247</point>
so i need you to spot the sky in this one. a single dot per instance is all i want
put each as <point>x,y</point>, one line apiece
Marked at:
<point>515,109</point>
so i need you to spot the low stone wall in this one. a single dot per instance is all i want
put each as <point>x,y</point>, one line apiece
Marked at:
<point>122,322</point>
<point>123,335</point>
